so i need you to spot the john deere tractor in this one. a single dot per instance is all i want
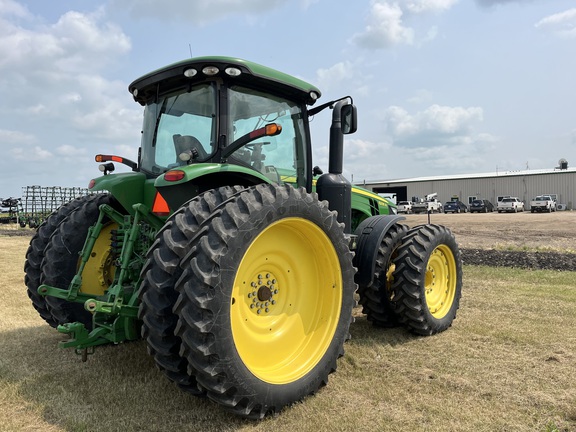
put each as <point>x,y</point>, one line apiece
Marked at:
<point>234,258</point>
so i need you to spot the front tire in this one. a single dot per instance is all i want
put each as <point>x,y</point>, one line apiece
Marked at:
<point>427,279</point>
<point>266,299</point>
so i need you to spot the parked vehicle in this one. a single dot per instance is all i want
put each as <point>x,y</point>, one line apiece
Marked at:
<point>510,204</point>
<point>542,203</point>
<point>481,206</point>
<point>427,205</point>
<point>455,207</point>
<point>404,207</point>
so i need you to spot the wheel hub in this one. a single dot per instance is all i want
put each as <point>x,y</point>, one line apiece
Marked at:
<point>264,289</point>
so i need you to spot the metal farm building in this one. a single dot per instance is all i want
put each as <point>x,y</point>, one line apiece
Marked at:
<point>491,186</point>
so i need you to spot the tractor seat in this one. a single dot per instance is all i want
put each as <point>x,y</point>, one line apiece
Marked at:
<point>189,144</point>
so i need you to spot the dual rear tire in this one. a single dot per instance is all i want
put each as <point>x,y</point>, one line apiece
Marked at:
<point>417,281</point>
<point>262,297</point>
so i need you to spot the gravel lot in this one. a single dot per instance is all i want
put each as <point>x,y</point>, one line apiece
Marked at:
<point>525,240</point>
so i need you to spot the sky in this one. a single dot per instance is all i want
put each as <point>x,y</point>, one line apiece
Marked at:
<point>441,86</point>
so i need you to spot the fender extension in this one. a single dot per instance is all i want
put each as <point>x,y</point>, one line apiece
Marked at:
<point>369,234</point>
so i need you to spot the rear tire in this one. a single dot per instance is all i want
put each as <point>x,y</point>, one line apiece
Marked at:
<point>427,279</point>
<point>35,255</point>
<point>376,298</point>
<point>159,275</point>
<point>61,259</point>
<point>266,299</point>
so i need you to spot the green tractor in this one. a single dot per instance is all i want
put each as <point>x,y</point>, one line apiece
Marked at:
<point>235,259</point>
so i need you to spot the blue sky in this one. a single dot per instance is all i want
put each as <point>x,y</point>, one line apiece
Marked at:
<point>442,86</point>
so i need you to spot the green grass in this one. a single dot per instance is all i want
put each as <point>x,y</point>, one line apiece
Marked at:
<point>507,364</point>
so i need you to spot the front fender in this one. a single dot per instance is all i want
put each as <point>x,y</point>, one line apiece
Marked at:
<point>370,233</point>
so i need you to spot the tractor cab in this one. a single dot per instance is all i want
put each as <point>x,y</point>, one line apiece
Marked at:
<point>246,123</point>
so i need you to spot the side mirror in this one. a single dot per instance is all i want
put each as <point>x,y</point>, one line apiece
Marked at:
<point>349,119</point>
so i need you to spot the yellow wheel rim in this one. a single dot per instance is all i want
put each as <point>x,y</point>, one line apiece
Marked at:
<point>99,271</point>
<point>440,281</point>
<point>286,300</point>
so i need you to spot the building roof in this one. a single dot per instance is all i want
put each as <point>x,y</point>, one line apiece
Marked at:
<point>471,176</point>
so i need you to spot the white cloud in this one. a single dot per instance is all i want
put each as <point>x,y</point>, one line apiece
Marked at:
<point>419,6</point>
<point>334,76</point>
<point>563,23</point>
<point>68,150</point>
<point>14,9</point>
<point>435,122</point>
<point>490,3</point>
<point>197,11</point>
<point>387,23</point>
<point>26,154</point>
<point>385,27</point>
<point>51,72</point>
<point>66,46</point>
<point>11,137</point>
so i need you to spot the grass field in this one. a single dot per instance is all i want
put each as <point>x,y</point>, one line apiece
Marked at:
<point>507,364</point>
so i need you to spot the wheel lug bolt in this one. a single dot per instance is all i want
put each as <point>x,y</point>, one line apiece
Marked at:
<point>273,302</point>
<point>267,310</point>
<point>258,311</point>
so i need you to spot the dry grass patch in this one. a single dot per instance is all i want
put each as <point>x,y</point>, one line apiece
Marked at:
<point>507,364</point>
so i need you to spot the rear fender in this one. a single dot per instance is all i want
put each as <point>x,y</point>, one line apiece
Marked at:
<point>198,178</point>
<point>369,234</point>
<point>128,188</point>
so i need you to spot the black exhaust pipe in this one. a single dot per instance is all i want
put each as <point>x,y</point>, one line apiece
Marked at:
<point>333,186</point>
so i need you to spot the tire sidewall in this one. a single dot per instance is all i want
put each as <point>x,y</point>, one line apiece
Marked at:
<point>271,397</point>
<point>441,324</point>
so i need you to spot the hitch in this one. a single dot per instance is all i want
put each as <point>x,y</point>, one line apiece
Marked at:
<point>81,340</point>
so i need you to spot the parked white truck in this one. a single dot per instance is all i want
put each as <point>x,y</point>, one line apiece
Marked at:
<point>542,203</point>
<point>429,204</point>
<point>510,204</point>
<point>404,207</point>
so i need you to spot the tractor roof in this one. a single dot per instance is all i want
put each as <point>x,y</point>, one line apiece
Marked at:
<point>182,74</point>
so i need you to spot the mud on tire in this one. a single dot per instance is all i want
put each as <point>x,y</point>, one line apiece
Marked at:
<point>266,298</point>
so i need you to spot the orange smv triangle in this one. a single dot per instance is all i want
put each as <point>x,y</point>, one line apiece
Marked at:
<point>160,206</point>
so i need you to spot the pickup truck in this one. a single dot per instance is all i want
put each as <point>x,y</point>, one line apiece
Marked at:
<point>404,207</point>
<point>542,203</point>
<point>510,204</point>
